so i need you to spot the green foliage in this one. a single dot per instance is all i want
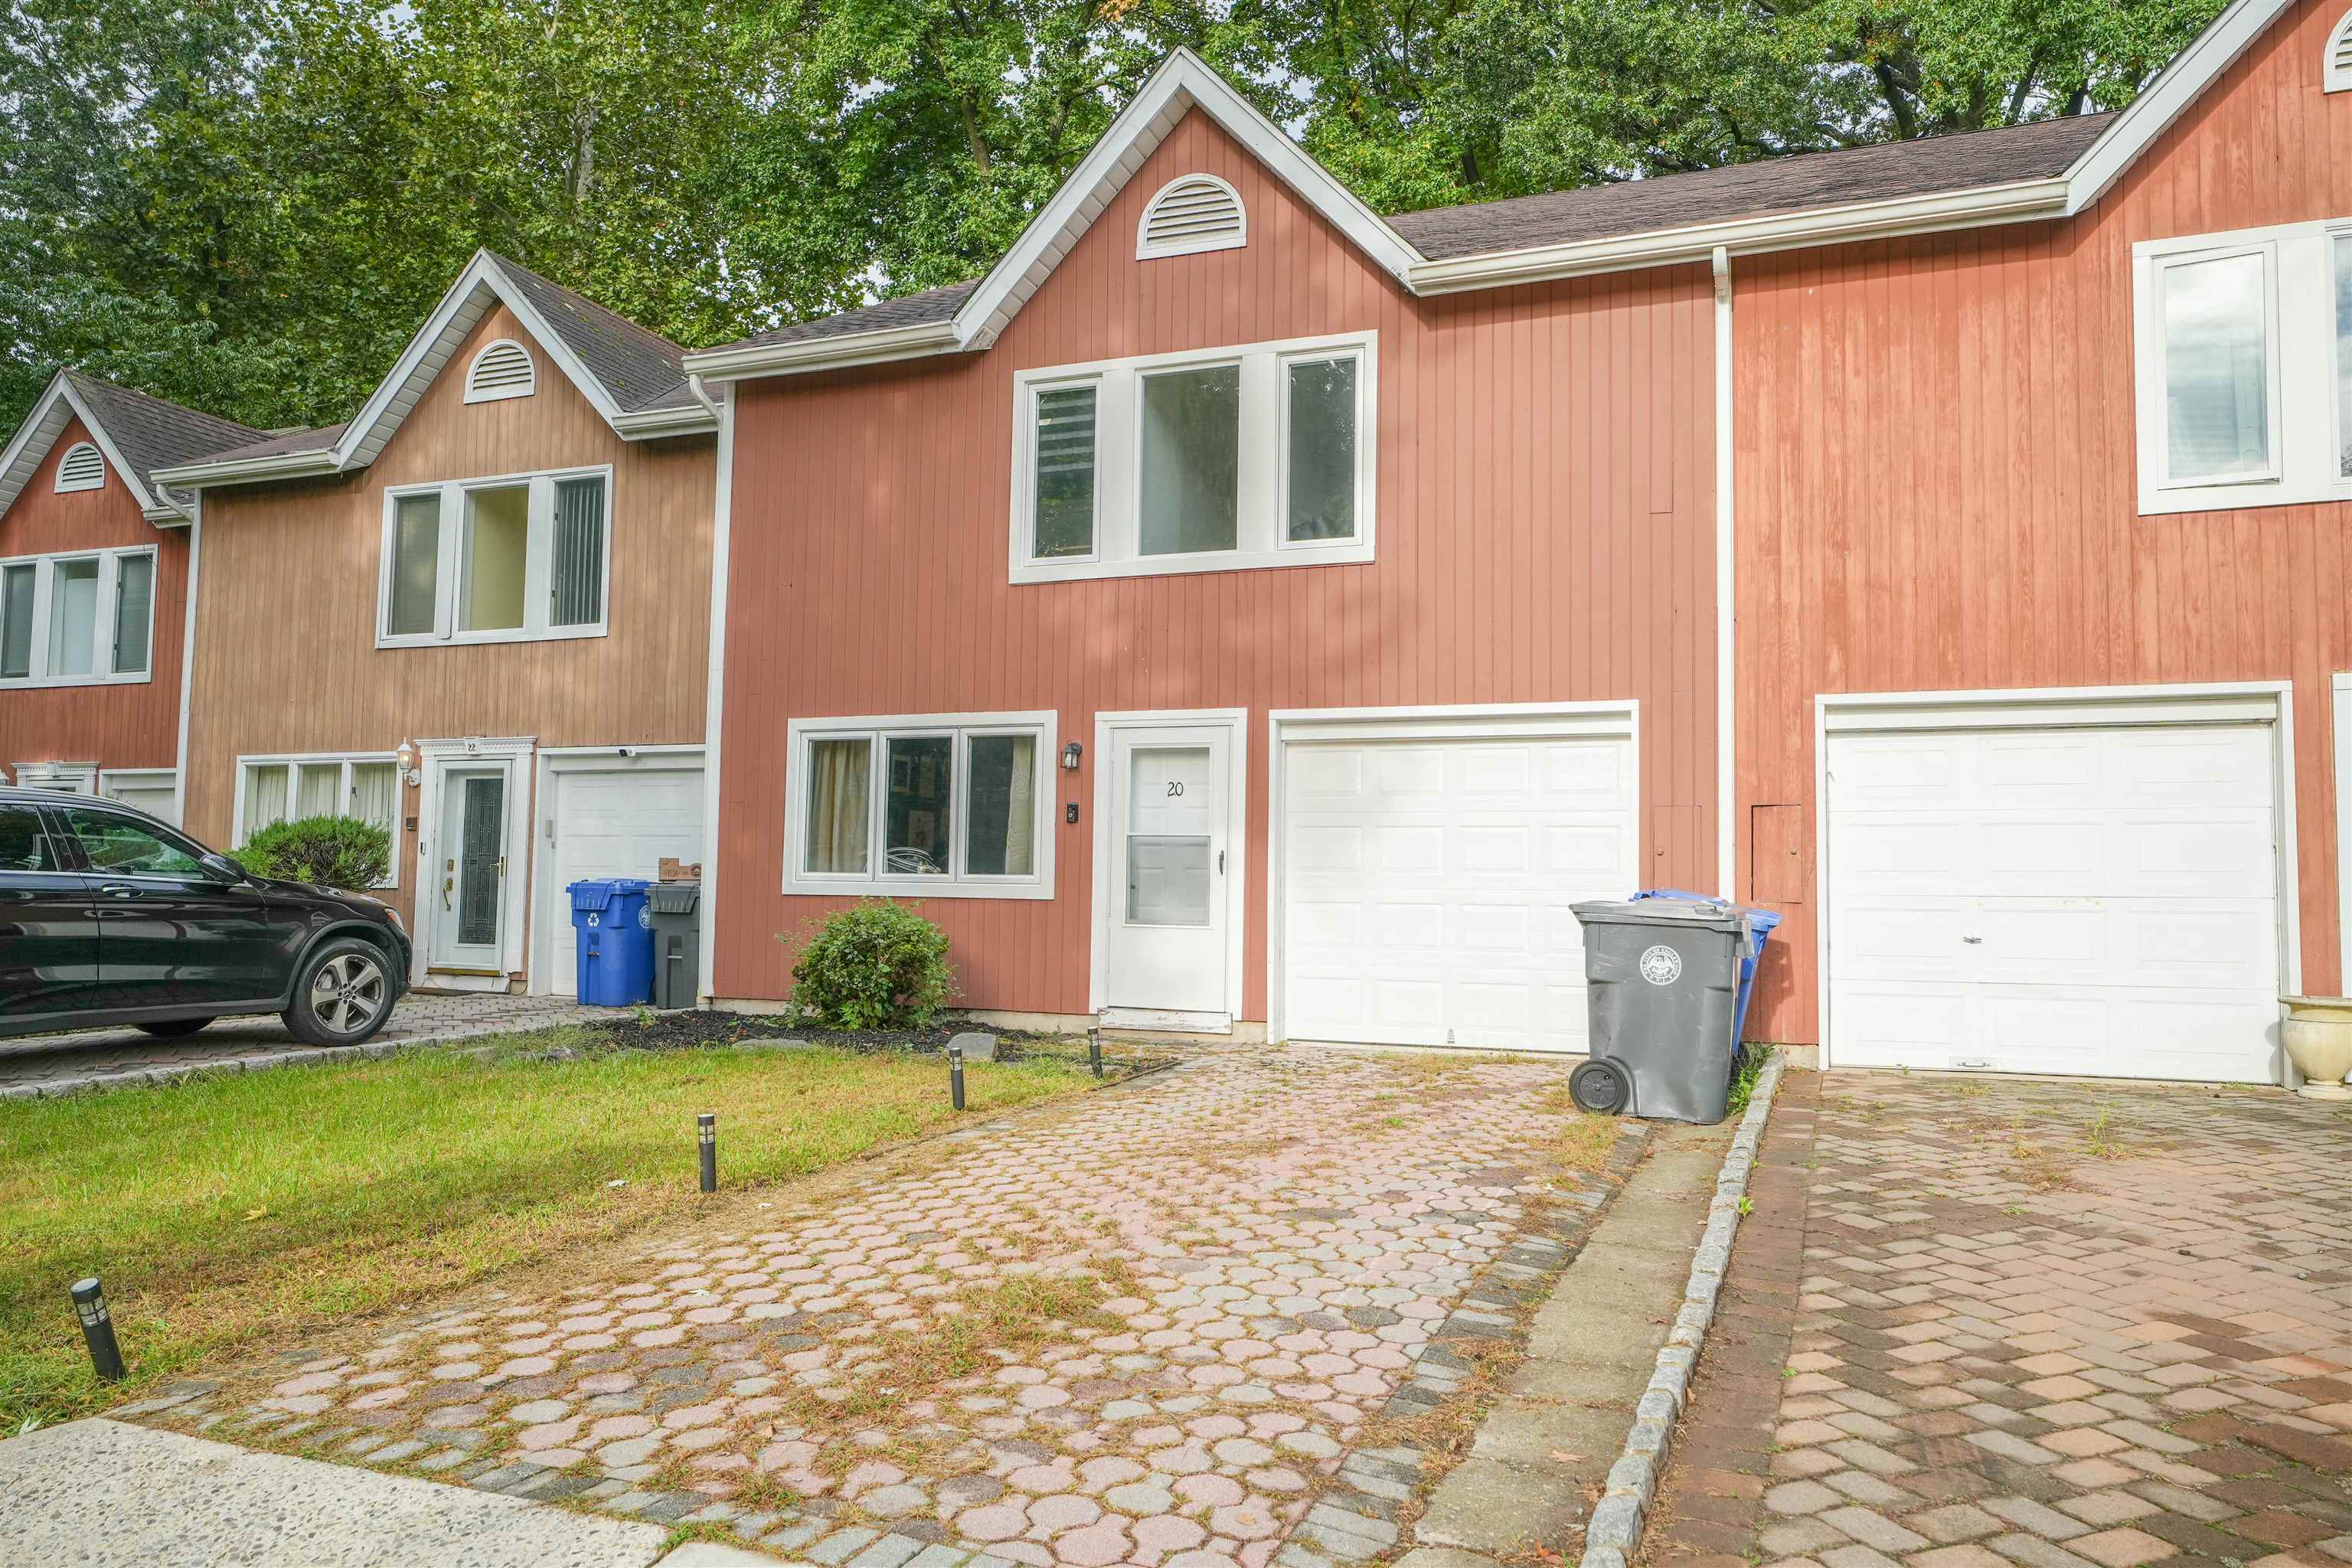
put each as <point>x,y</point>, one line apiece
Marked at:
<point>876,966</point>
<point>325,851</point>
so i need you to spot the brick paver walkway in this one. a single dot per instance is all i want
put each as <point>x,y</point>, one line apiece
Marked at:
<point>110,1059</point>
<point>1290,1234</point>
<point>1976,1323</point>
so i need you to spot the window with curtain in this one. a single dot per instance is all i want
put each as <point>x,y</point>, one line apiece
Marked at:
<point>503,562</point>
<point>78,619</point>
<point>17,620</point>
<point>280,789</point>
<point>134,613</point>
<point>948,805</point>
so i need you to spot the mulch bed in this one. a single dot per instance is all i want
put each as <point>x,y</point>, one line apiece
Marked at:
<point>692,1030</point>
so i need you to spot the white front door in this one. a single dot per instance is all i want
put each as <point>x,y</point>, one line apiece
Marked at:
<point>468,880</point>
<point>610,822</point>
<point>1170,848</point>
<point>2094,901</point>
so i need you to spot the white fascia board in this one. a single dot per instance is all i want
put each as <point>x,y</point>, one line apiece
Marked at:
<point>2178,84</point>
<point>825,354</point>
<point>248,470</point>
<point>1980,204</point>
<point>688,419</point>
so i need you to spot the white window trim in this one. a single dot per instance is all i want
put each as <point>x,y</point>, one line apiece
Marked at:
<point>1234,240</point>
<point>65,486</point>
<point>2334,78</point>
<point>2301,356</point>
<point>958,884</point>
<point>449,565</point>
<point>341,760</point>
<point>495,394</point>
<point>73,778</point>
<point>1119,440</point>
<point>110,573</point>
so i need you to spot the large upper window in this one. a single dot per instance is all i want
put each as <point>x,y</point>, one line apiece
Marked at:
<point>2244,352</point>
<point>496,559</point>
<point>933,806</point>
<point>365,784</point>
<point>78,619</point>
<point>1258,456</point>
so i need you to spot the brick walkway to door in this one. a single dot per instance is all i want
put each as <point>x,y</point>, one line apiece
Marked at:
<point>1978,1322</point>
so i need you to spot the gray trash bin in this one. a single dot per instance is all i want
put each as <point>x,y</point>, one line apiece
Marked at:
<point>677,912</point>
<point>1663,982</point>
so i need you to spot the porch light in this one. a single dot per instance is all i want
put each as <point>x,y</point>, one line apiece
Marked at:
<point>1070,755</point>
<point>407,757</point>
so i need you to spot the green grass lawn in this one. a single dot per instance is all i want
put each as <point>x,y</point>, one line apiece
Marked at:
<point>261,1206</point>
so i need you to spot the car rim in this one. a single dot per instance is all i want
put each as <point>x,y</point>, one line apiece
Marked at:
<point>347,992</point>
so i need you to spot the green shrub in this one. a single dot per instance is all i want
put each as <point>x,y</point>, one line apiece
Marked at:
<point>878,965</point>
<point>328,851</point>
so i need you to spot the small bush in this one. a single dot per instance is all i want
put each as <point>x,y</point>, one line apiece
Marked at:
<point>878,965</point>
<point>326,851</point>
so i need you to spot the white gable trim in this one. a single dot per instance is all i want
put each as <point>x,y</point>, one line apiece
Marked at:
<point>2176,87</point>
<point>30,448</point>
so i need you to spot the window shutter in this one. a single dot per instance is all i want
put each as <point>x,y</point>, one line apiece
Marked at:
<point>1196,213</point>
<point>576,587</point>
<point>503,369</point>
<point>81,469</point>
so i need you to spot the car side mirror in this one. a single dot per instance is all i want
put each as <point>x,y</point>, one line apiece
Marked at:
<point>223,870</point>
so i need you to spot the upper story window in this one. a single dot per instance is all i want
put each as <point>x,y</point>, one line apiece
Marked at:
<point>926,806</point>
<point>503,559</point>
<point>2244,366</point>
<point>77,620</point>
<point>1209,461</point>
<point>503,369</point>
<point>1190,214</point>
<point>83,467</point>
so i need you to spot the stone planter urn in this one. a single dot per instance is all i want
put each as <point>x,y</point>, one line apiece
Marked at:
<point>2318,1035</point>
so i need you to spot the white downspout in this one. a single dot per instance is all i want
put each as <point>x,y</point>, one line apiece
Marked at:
<point>1726,803</point>
<point>714,677</point>
<point>195,510</point>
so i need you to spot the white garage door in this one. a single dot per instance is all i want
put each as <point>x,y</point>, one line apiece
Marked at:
<point>2094,901</point>
<point>613,823</point>
<point>1427,886</point>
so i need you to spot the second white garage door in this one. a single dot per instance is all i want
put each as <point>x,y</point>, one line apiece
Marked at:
<point>2092,901</point>
<point>612,822</point>
<point>1427,880</point>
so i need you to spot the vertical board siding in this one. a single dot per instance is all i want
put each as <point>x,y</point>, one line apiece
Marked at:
<point>1545,533</point>
<point>286,655</point>
<point>135,724</point>
<point>1936,483</point>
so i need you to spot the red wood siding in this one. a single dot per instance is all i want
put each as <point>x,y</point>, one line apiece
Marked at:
<point>135,724</point>
<point>1545,533</point>
<point>1936,485</point>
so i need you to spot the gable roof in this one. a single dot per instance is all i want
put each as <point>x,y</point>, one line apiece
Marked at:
<point>138,435</point>
<point>636,380</point>
<point>2047,169</point>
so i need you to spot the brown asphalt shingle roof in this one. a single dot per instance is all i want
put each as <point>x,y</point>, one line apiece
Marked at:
<point>150,433</point>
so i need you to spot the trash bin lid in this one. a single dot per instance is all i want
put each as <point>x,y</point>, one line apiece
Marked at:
<point>1712,915</point>
<point>598,892</point>
<point>674,897</point>
<point>1761,923</point>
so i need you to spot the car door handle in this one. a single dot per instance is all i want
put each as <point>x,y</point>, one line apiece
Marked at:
<point>118,890</point>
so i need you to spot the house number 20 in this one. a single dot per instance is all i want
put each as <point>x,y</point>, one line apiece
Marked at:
<point>1175,788</point>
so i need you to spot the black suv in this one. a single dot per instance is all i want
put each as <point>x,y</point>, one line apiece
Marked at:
<point>109,916</point>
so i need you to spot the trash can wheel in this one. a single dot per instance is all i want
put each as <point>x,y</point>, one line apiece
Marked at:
<point>1601,1087</point>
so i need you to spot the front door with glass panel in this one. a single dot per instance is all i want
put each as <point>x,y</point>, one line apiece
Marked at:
<point>468,879</point>
<point>1170,848</point>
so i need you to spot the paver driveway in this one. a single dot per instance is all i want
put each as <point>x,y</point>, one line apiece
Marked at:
<point>1288,1229</point>
<point>1983,1322</point>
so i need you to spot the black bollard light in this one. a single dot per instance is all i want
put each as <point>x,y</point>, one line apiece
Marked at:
<point>955,1076</point>
<point>98,1327</point>
<point>706,1128</point>
<point>1093,1050</point>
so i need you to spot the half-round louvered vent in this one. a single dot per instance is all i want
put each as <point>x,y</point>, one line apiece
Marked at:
<point>2335,72</point>
<point>81,469</point>
<point>503,369</point>
<point>1198,212</point>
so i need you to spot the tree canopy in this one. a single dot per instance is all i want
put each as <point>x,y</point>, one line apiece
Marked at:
<point>246,206</point>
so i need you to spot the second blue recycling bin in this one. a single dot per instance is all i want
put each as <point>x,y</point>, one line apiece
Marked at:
<point>615,941</point>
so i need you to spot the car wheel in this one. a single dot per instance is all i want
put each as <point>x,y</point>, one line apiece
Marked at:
<point>1601,1087</point>
<point>342,996</point>
<point>173,1030</point>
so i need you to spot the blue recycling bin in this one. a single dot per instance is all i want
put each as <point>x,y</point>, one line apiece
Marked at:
<point>1760,926</point>
<point>615,941</point>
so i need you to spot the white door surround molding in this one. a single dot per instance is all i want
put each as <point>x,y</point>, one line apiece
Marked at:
<point>434,759</point>
<point>1109,780</point>
<point>2263,703</point>
<point>1604,720</point>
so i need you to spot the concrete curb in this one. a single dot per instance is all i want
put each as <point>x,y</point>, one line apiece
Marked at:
<point>1615,1530</point>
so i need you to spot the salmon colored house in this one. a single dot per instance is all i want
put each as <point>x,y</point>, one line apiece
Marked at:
<point>1242,612</point>
<point>95,565</point>
<point>479,614</point>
